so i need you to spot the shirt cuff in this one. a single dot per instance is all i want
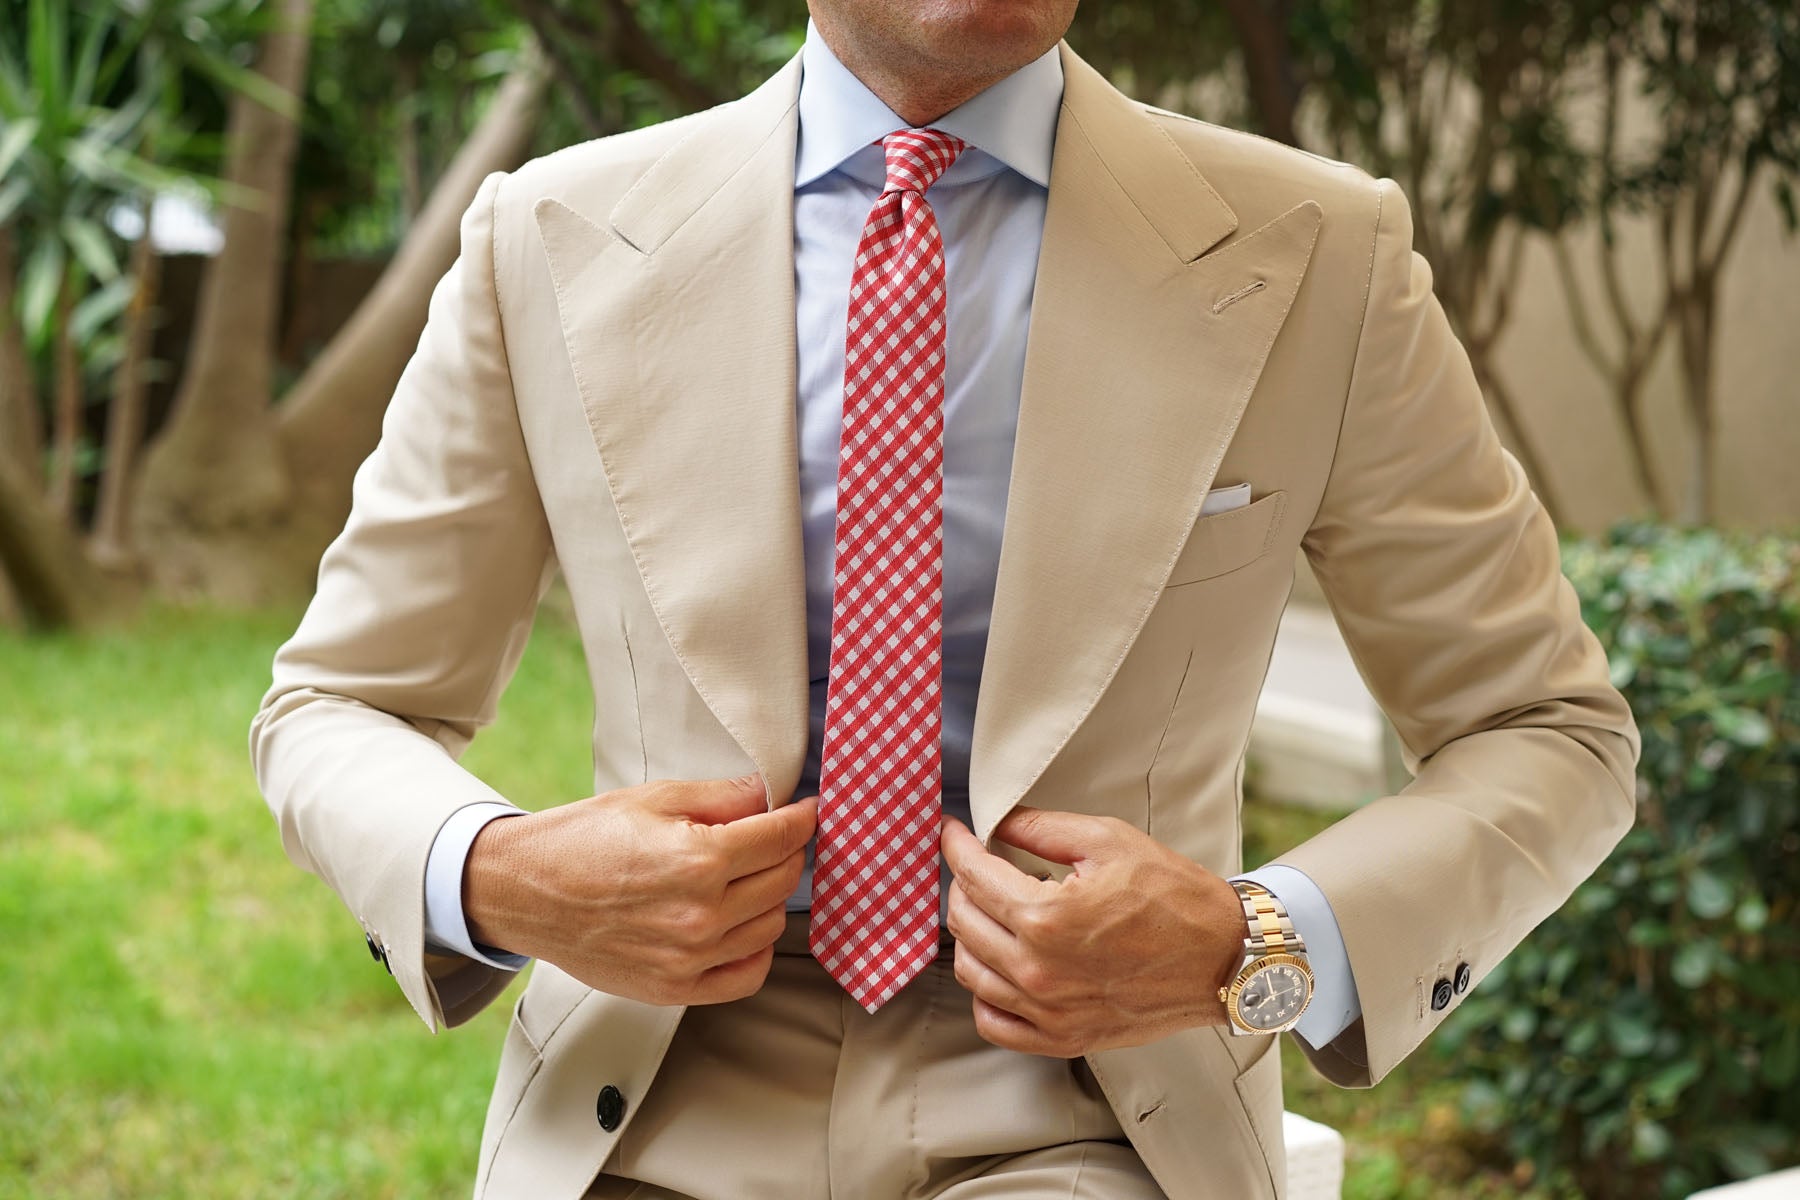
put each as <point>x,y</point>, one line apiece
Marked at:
<point>446,927</point>
<point>1335,1004</point>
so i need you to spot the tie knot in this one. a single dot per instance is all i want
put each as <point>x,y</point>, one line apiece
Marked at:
<point>917,157</point>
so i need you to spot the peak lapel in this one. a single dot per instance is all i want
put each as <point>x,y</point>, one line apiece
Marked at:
<point>679,324</point>
<point>1135,379</point>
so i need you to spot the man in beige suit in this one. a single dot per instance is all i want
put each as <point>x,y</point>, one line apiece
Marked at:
<point>1175,355</point>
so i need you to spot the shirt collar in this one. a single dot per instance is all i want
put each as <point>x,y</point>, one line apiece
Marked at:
<point>1014,121</point>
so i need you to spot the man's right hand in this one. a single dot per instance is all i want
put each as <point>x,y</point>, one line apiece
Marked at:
<point>668,892</point>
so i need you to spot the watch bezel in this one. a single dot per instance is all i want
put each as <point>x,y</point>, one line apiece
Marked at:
<point>1251,970</point>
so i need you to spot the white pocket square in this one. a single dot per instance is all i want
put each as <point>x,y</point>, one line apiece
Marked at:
<point>1224,499</point>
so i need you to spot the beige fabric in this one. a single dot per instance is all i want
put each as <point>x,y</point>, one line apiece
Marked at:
<point>606,386</point>
<point>799,1094</point>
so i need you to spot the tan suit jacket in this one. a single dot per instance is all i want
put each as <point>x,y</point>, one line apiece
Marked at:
<point>606,386</point>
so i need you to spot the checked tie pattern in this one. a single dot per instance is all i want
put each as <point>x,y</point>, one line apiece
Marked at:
<point>875,872</point>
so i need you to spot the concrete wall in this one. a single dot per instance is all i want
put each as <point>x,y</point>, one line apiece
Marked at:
<point>1569,411</point>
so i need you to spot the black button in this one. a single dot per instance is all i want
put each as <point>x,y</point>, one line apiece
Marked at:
<point>1464,977</point>
<point>374,952</point>
<point>385,962</point>
<point>610,1108</point>
<point>1440,995</point>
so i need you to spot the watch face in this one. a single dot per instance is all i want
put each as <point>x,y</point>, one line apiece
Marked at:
<point>1272,998</point>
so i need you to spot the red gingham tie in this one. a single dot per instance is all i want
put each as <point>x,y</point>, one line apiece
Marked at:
<point>875,869</point>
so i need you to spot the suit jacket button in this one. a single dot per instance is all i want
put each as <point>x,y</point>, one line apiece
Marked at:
<point>610,1108</point>
<point>1440,995</point>
<point>1464,977</point>
<point>374,953</point>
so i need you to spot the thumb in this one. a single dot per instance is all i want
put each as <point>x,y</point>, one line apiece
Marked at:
<point>1059,837</point>
<point>719,801</point>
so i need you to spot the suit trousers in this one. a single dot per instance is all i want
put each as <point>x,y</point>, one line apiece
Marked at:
<point>797,1093</point>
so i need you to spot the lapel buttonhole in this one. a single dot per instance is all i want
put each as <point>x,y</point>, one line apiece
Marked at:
<point>1226,302</point>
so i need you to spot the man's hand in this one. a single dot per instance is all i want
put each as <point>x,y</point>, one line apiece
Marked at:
<point>669,892</point>
<point>1131,947</point>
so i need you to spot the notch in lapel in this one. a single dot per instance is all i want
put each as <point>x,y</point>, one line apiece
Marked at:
<point>679,325</point>
<point>1143,353</point>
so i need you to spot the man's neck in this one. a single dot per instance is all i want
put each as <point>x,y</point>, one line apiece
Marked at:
<point>917,97</point>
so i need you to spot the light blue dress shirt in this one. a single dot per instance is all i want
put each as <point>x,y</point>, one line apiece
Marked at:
<point>990,209</point>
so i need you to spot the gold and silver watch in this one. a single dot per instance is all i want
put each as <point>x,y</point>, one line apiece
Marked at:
<point>1274,985</point>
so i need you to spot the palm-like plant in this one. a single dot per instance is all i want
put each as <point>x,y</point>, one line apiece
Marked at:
<point>66,159</point>
<point>95,116</point>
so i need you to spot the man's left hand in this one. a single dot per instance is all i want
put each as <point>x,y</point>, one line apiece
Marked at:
<point>1130,947</point>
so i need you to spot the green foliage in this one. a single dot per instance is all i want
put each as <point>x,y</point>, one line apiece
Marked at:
<point>623,64</point>
<point>393,89</point>
<point>1724,80</point>
<point>64,157</point>
<point>1646,1040</point>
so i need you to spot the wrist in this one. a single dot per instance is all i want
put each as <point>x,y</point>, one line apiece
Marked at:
<point>1225,922</point>
<point>1273,987</point>
<point>491,885</point>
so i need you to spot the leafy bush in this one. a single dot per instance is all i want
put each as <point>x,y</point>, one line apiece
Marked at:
<point>1645,1042</point>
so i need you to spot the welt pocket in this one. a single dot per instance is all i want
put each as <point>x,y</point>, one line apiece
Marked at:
<point>1227,541</point>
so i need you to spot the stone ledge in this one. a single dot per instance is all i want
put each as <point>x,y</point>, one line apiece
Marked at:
<point>1783,1185</point>
<point>1316,741</point>
<point>1315,1159</point>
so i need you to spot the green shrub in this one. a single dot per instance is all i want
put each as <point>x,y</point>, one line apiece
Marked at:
<point>1646,1040</point>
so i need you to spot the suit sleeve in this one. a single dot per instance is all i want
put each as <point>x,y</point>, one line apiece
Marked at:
<point>1443,572</point>
<point>423,607</point>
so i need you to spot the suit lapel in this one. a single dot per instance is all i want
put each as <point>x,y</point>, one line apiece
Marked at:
<point>678,314</point>
<point>1143,352</point>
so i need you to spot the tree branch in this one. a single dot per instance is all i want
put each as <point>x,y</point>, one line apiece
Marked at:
<point>1734,215</point>
<point>1577,305</point>
<point>639,51</point>
<point>551,29</point>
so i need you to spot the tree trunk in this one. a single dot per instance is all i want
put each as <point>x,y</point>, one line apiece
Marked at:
<point>331,418</point>
<point>66,431</point>
<point>111,544</point>
<point>1262,34</point>
<point>1697,383</point>
<point>21,423</point>
<point>217,465</point>
<point>301,275</point>
<point>51,581</point>
<point>1629,403</point>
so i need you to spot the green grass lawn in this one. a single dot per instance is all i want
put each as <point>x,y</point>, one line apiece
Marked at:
<point>184,1014</point>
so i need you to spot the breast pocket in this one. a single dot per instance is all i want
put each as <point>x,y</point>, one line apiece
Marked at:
<point>1228,541</point>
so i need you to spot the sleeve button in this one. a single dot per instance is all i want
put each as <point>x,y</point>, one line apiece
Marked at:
<point>610,1108</point>
<point>1440,995</point>
<point>1464,977</point>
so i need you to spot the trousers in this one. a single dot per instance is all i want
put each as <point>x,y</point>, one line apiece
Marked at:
<point>797,1093</point>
